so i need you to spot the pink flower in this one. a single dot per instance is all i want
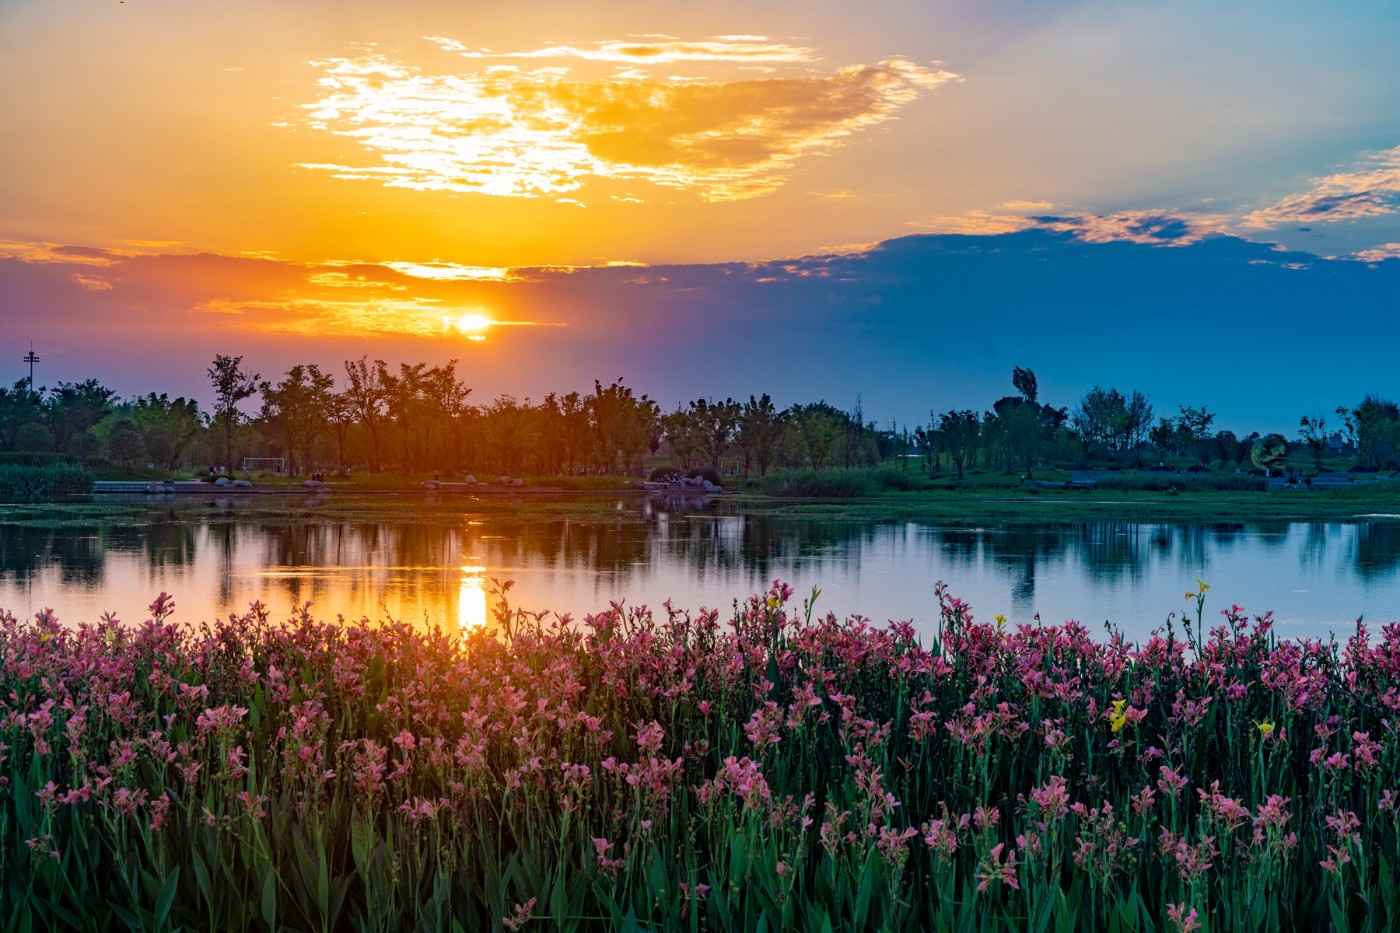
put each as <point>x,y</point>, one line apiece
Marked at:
<point>1185,922</point>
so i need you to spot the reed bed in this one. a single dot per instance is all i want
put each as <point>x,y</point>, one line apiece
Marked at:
<point>669,771</point>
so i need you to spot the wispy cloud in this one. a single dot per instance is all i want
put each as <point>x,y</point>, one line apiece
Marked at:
<point>1370,189</point>
<point>651,50</point>
<point>542,132</point>
<point>61,253</point>
<point>91,283</point>
<point>450,272</point>
<point>1378,253</point>
<point>1149,227</point>
<point>976,223</point>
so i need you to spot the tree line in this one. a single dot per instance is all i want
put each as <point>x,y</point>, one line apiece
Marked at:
<point>415,418</point>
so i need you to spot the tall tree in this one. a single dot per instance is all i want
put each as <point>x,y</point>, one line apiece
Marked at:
<point>960,432</point>
<point>760,427</point>
<point>1312,431</point>
<point>364,392</point>
<point>232,384</point>
<point>297,410</point>
<point>177,420</point>
<point>815,428</point>
<point>717,423</point>
<point>74,407</point>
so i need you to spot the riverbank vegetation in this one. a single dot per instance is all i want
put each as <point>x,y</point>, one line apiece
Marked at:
<point>671,771</point>
<point>401,424</point>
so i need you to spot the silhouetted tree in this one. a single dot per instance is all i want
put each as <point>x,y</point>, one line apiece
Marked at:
<point>232,384</point>
<point>365,395</point>
<point>297,410</point>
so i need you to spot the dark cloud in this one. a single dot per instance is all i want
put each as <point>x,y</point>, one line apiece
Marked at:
<point>911,324</point>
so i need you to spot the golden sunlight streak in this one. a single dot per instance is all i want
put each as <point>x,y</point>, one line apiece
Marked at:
<point>471,598</point>
<point>539,132</point>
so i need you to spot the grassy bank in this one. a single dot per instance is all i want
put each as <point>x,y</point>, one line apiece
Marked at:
<point>681,773</point>
<point>1036,504</point>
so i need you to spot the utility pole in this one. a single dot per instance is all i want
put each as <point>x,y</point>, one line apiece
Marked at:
<point>31,359</point>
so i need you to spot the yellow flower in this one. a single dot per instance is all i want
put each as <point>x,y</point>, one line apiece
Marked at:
<point>1118,719</point>
<point>1000,620</point>
<point>1190,596</point>
<point>774,602</point>
<point>1203,585</point>
<point>1266,729</point>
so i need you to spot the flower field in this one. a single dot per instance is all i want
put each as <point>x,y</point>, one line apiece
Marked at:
<point>673,771</point>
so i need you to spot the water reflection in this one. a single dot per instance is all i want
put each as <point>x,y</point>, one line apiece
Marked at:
<point>471,598</point>
<point>219,556</point>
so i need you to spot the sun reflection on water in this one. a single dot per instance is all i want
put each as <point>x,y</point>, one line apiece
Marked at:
<point>471,598</point>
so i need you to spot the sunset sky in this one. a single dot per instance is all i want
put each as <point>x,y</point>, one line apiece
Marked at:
<point>893,200</point>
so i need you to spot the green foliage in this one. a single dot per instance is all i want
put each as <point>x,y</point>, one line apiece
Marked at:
<point>1183,482</point>
<point>20,481</point>
<point>33,437</point>
<point>778,772</point>
<point>820,484</point>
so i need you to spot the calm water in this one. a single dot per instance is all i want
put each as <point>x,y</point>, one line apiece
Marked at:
<point>216,558</point>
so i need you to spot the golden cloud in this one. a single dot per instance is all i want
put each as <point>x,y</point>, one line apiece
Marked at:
<point>507,131</point>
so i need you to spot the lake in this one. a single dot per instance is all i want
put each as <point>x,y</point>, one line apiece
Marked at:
<point>217,556</point>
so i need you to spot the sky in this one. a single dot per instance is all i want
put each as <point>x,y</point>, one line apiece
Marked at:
<point>896,202</point>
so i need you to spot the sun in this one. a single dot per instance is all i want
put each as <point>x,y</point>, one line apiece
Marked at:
<point>473,326</point>
<point>473,323</point>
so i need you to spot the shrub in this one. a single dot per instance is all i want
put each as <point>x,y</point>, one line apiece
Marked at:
<point>705,472</point>
<point>819,484</point>
<point>41,482</point>
<point>1184,482</point>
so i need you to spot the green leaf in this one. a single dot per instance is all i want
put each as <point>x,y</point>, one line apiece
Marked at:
<point>167,897</point>
<point>131,920</point>
<point>201,880</point>
<point>269,898</point>
<point>867,889</point>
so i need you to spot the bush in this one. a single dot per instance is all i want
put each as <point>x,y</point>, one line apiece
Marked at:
<point>890,478</point>
<point>26,458</point>
<point>1184,482</point>
<point>705,472</point>
<point>820,484</point>
<point>33,437</point>
<point>42,482</point>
